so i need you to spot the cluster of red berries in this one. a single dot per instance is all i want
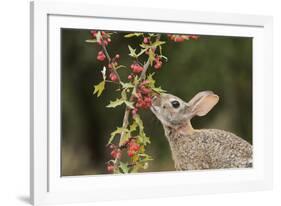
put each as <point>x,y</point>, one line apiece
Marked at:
<point>105,38</point>
<point>158,63</point>
<point>101,56</point>
<point>181,38</point>
<point>143,97</point>
<point>116,152</point>
<point>133,147</point>
<point>136,68</point>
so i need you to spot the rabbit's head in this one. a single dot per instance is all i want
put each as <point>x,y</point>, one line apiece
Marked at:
<point>173,111</point>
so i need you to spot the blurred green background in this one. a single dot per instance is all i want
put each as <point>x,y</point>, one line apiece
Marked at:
<point>218,63</point>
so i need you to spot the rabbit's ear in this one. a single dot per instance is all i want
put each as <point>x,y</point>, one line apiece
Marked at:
<point>203,102</point>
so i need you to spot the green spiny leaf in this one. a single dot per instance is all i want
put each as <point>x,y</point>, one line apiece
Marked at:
<point>151,56</point>
<point>130,104</point>
<point>124,138</point>
<point>151,80</point>
<point>132,35</point>
<point>127,85</point>
<point>139,122</point>
<point>119,130</point>
<point>133,126</point>
<point>143,138</point>
<point>98,36</point>
<point>141,52</point>
<point>158,43</point>
<point>159,90</point>
<point>91,40</point>
<point>124,167</point>
<point>145,157</point>
<point>99,88</point>
<point>115,103</point>
<point>132,52</point>
<point>124,94</point>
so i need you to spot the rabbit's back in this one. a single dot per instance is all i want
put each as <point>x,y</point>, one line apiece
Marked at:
<point>209,149</point>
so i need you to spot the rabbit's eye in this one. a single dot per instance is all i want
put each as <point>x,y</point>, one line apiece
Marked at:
<point>175,104</point>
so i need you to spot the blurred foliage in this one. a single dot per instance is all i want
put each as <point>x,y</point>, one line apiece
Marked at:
<point>218,63</point>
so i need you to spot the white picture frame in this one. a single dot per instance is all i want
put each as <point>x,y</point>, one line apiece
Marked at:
<point>47,185</point>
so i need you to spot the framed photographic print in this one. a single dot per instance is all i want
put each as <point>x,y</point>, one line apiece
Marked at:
<point>131,106</point>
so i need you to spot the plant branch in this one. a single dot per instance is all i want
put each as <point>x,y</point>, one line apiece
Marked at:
<point>127,110</point>
<point>142,77</point>
<point>146,65</point>
<point>109,60</point>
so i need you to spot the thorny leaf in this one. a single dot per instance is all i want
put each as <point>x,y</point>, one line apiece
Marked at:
<point>127,85</point>
<point>129,104</point>
<point>119,130</point>
<point>99,88</point>
<point>159,90</point>
<point>132,35</point>
<point>151,56</point>
<point>132,52</point>
<point>91,40</point>
<point>115,103</point>
<point>124,167</point>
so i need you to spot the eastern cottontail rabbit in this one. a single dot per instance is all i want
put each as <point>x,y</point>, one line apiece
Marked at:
<point>194,149</point>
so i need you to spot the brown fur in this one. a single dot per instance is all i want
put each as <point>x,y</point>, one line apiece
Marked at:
<point>199,149</point>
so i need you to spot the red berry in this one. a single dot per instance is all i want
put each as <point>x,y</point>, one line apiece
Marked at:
<point>110,168</point>
<point>145,90</point>
<point>194,37</point>
<point>102,33</point>
<point>116,154</point>
<point>113,153</point>
<point>113,77</point>
<point>131,153</point>
<point>135,147</point>
<point>138,69</point>
<point>147,99</point>
<point>145,40</point>
<point>108,39</point>
<point>117,56</point>
<point>158,65</point>
<point>130,77</point>
<point>94,33</point>
<point>101,56</point>
<point>179,39</point>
